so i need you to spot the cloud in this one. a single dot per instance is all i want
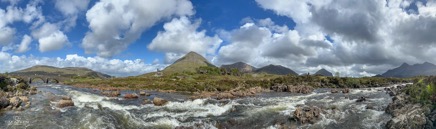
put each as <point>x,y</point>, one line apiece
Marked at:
<point>367,34</point>
<point>180,36</point>
<point>55,41</point>
<point>24,45</point>
<point>262,42</point>
<point>114,24</point>
<point>114,67</point>
<point>71,9</point>
<point>6,35</point>
<point>50,38</point>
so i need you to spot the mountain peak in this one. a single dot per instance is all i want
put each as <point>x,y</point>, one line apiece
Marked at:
<point>189,63</point>
<point>276,69</point>
<point>324,72</point>
<point>241,66</point>
<point>405,64</point>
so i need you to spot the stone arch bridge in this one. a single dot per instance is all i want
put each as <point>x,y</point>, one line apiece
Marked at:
<point>45,80</point>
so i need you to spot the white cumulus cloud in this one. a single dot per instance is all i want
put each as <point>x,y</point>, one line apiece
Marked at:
<point>24,45</point>
<point>180,36</point>
<point>114,24</point>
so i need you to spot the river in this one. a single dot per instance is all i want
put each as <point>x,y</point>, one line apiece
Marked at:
<point>264,111</point>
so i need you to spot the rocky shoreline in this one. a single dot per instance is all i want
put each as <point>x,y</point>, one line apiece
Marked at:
<point>407,114</point>
<point>14,94</point>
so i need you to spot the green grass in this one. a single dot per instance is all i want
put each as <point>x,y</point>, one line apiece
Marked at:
<point>423,91</point>
<point>193,82</point>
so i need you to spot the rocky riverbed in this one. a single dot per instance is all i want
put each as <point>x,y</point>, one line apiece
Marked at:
<point>61,106</point>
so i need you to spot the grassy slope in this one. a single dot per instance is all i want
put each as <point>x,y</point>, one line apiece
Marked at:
<point>201,82</point>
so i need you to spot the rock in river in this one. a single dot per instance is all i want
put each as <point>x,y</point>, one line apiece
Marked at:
<point>159,101</point>
<point>307,114</point>
<point>15,102</point>
<point>130,96</point>
<point>65,103</point>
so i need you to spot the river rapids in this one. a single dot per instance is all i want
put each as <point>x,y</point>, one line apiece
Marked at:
<point>264,111</point>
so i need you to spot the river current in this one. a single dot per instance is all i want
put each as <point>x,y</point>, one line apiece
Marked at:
<point>264,111</point>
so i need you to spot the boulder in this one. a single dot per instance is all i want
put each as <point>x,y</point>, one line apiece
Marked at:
<point>361,99</point>
<point>65,103</point>
<point>111,93</point>
<point>130,96</point>
<point>66,98</point>
<point>345,90</point>
<point>15,102</point>
<point>279,88</point>
<point>159,101</point>
<point>307,114</point>
<point>334,91</point>
<point>142,93</point>
<point>4,102</point>
<point>405,114</point>
<point>225,95</point>
<point>24,98</point>
<point>300,89</point>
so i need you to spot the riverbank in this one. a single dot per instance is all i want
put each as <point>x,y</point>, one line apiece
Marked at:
<point>413,106</point>
<point>14,94</point>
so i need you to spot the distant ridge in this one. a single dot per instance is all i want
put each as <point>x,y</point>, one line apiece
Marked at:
<point>62,73</point>
<point>406,70</point>
<point>276,69</point>
<point>324,72</point>
<point>241,66</point>
<point>188,63</point>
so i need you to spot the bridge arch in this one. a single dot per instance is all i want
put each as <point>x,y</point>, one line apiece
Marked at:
<point>45,80</point>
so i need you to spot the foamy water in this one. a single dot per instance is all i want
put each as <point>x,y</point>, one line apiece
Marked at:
<point>93,110</point>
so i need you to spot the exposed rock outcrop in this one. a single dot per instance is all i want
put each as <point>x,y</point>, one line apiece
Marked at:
<point>405,114</point>
<point>307,114</point>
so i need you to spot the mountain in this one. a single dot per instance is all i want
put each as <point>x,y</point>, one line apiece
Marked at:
<point>276,69</point>
<point>406,70</point>
<point>59,73</point>
<point>324,72</point>
<point>189,63</point>
<point>241,66</point>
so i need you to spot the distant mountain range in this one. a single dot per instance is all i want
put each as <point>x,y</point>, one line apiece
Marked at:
<point>241,66</point>
<point>406,70</point>
<point>189,63</point>
<point>60,73</point>
<point>276,69</point>
<point>324,72</point>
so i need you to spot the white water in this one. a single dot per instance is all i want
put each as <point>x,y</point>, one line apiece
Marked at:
<point>96,111</point>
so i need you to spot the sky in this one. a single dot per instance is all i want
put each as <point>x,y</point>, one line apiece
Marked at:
<point>132,37</point>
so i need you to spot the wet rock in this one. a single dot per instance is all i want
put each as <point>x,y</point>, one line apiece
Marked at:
<point>146,101</point>
<point>406,115</point>
<point>15,102</point>
<point>66,98</point>
<point>32,92</point>
<point>24,98</point>
<point>225,96</point>
<point>130,96</point>
<point>27,105</point>
<point>65,103</point>
<point>370,107</point>
<point>184,127</point>
<point>111,93</point>
<point>279,88</point>
<point>300,89</point>
<point>361,99</point>
<point>142,93</point>
<point>4,102</point>
<point>159,101</point>
<point>307,114</point>
<point>345,90</point>
<point>334,91</point>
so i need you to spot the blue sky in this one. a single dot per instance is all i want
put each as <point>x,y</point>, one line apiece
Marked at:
<point>131,37</point>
